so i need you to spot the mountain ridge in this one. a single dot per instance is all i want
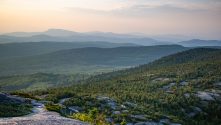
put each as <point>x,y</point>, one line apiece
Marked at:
<point>60,35</point>
<point>12,50</point>
<point>73,59</point>
<point>200,43</point>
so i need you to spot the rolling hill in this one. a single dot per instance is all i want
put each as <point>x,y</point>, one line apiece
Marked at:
<point>15,50</point>
<point>87,59</point>
<point>198,43</point>
<point>39,81</point>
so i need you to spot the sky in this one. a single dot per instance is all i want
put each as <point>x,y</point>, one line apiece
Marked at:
<point>200,18</point>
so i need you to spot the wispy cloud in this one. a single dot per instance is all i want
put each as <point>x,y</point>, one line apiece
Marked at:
<point>145,10</point>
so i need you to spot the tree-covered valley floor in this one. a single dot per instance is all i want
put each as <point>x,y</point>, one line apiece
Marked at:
<point>183,88</point>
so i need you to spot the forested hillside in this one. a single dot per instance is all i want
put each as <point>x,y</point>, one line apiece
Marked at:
<point>15,50</point>
<point>165,91</point>
<point>84,60</point>
<point>39,81</point>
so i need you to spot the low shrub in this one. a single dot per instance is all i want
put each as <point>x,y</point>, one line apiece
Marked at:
<point>53,107</point>
<point>93,117</point>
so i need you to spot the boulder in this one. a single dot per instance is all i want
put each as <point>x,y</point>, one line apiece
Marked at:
<point>187,95</point>
<point>74,109</point>
<point>103,98</point>
<point>192,114</point>
<point>196,111</point>
<point>139,117</point>
<point>112,105</point>
<point>109,120</point>
<point>117,112</point>
<point>175,124</point>
<point>37,104</point>
<point>165,121</point>
<point>61,101</point>
<point>217,91</point>
<point>184,83</point>
<point>218,85</point>
<point>161,79</point>
<point>206,96</point>
<point>130,104</point>
<point>125,111</point>
<point>107,101</point>
<point>168,86</point>
<point>123,106</point>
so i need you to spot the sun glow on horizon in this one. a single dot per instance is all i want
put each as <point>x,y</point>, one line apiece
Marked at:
<point>191,17</point>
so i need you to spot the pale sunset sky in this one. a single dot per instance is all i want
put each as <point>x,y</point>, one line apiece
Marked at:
<point>185,17</point>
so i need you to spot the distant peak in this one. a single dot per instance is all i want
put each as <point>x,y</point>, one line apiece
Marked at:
<point>62,30</point>
<point>59,32</point>
<point>196,40</point>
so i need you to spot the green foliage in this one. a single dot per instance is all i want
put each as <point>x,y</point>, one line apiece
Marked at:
<point>93,117</point>
<point>15,50</point>
<point>39,81</point>
<point>123,122</point>
<point>93,113</point>
<point>82,116</point>
<point>53,107</point>
<point>13,110</point>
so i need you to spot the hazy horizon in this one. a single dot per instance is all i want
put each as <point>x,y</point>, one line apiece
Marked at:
<point>197,18</point>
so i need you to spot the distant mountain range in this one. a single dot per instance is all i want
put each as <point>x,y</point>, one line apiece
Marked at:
<point>59,35</point>
<point>198,43</point>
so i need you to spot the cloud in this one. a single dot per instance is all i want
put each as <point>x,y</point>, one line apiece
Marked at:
<point>148,9</point>
<point>141,10</point>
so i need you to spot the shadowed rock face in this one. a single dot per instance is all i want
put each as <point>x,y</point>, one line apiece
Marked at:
<point>5,98</point>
